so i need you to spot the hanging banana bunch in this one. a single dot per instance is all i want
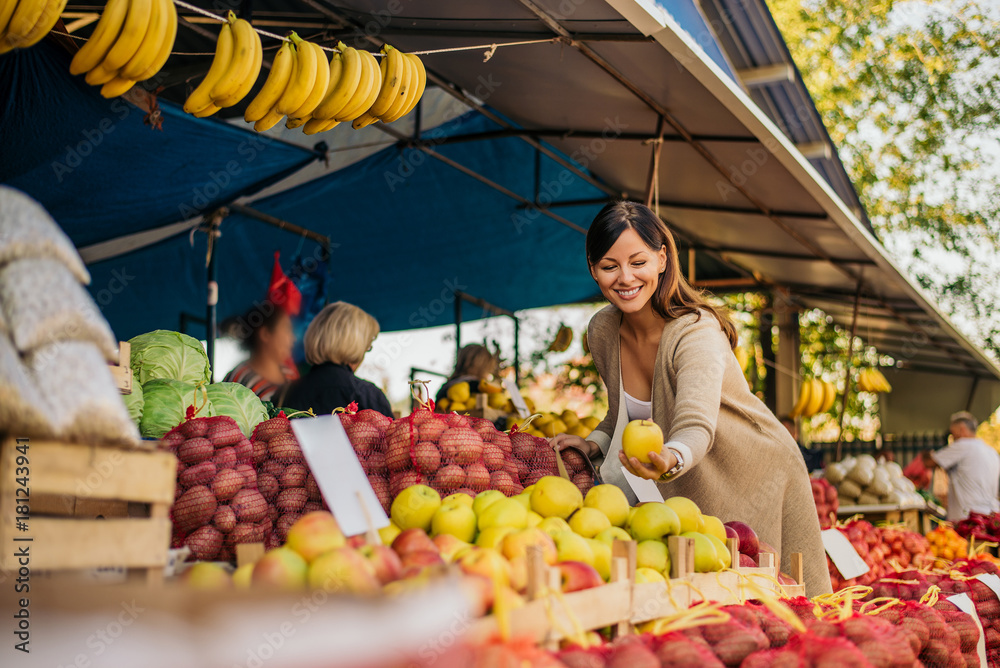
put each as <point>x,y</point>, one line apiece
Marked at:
<point>872,380</point>
<point>24,23</point>
<point>403,81</point>
<point>564,337</point>
<point>233,72</point>
<point>815,397</point>
<point>131,43</point>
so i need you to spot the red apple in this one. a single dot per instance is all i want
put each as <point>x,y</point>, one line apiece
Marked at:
<point>282,567</point>
<point>747,562</point>
<point>313,534</point>
<point>449,545</point>
<point>577,575</point>
<point>413,540</point>
<point>486,562</point>
<point>749,544</point>
<point>388,566</point>
<point>480,591</point>
<point>735,535</point>
<point>421,559</point>
<point>343,569</point>
<point>356,541</point>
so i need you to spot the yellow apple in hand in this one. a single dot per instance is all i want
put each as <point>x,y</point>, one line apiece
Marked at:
<point>588,522</point>
<point>611,501</point>
<point>456,520</point>
<point>415,507</point>
<point>640,438</point>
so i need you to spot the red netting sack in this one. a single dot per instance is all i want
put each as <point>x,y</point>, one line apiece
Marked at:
<point>214,472</point>
<point>806,650</point>
<point>878,639</point>
<point>777,630</point>
<point>973,566</point>
<point>677,650</point>
<point>730,641</point>
<point>907,586</point>
<point>964,626</point>
<point>940,644</point>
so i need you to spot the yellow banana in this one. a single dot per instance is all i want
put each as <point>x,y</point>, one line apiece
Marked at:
<point>303,78</point>
<point>829,396</point>
<point>201,98</point>
<point>320,84</point>
<point>6,11</point>
<point>881,382</point>
<point>421,85</point>
<point>392,68</point>
<point>149,48</point>
<point>166,46</point>
<point>407,74</point>
<point>863,384</point>
<point>803,400</point>
<point>414,88</point>
<point>116,87</point>
<point>100,76</point>
<point>815,398</point>
<point>293,123</point>
<point>371,85</point>
<point>268,122</point>
<point>103,38</point>
<point>24,17</point>
<point>50,14</point>
<point>274,86</point>
<point>316,125</point>
<point>240,76</point>
<point>133,31</point>
<point>207,111</point>
<point>364,120</point>
<point>345,77</point>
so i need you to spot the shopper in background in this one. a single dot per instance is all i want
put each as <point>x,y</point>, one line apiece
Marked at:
<point>813,457</point>
<point>265,332</point>
<point>475,363</point>
<point>335,346</point>
<point>973,470</point>
<point>665,352</point>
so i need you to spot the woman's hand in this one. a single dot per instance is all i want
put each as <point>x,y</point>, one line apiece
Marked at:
<point>658,465</point>
<point>563,441</point>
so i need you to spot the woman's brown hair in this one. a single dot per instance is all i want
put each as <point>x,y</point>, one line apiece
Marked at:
<point>475,360</point>
<point>674,297</point>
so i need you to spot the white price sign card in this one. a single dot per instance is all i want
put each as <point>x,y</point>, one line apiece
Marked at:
<point>843,555</point>
<point>990,580</point>
<point>516,398</point>
<point>965,604</point>
<point>338,473</point>
<point>645,489</point>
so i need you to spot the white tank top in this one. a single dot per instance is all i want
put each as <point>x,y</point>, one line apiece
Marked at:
<point>636,409</point>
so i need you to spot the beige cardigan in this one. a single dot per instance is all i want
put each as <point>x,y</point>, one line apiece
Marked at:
<point>739,461</point>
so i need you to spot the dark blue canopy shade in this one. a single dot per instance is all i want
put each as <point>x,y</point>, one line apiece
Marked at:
<point>101,171</point>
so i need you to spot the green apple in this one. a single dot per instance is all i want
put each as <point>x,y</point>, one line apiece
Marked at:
<point>556,497</point>
<point>553,525</point>
<point>652,554</point>
<point>534,519</point>
<point>528,490</point>
<point>486,562</point>
<point>653,521</point>
<point>484,499</point>
<point>722,550</point>
<point>602,557</point>
<point>687,511</point>
<point>571,547</point>
<point>460,498</point>
<point>610,535</point>
<point>714,527</point>
<point>641,437</point>
<point>415,507</point>
<point>504,513</point>
<point>493,537</point>
<point>643,575</point>
<point>523,499</point>
<point>209,575</point>
<point>516,543</point>
<point>456,520</point>
<point>611,501</point>
<point>706,557</point>
<point>389,533</point>
<point>588,522</point>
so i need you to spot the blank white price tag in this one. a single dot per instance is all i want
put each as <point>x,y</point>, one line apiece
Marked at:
<point>338,473</point>
<point>516,398</point>
<point>990,580</point>
<point>645,489</point>
<point>965,604</point>
<point>843,555</point>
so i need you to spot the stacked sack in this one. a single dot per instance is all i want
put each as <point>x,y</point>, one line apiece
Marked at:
<point>863,481</point>
<point>452,453</point>
<point>827,501</point>
<point>54,343</point>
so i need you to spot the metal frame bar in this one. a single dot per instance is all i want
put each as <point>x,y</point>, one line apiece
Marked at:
<point>496,310</point>
<point>560,133</point>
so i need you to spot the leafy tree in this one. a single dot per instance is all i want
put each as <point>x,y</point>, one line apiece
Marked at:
<point>910,93</point>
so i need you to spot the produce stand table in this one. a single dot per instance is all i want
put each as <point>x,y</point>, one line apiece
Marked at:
<point>87,506</point>
<point>915,517</point>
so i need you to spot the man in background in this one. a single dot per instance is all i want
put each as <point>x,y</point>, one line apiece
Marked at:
<point>812,456</point>
<point>973,470</point>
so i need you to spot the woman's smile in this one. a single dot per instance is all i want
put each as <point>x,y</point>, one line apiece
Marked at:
<point>629,293</point>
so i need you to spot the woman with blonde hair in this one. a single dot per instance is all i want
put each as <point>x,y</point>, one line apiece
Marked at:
<point>665,354</point>
<point>475,363</point>
<point>335,345</point>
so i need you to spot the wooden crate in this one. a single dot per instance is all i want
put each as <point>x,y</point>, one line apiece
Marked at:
<point>122,371</point>
<point>90,506</point>
<point>483,410</point>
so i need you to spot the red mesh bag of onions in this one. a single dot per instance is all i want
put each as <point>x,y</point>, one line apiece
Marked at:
<point>448,452</point>
<point>215,474</point>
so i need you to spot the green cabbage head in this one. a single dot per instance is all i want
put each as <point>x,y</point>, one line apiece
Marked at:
<point>166,403</point>
<point>166,354</point>
<point>238,402</point>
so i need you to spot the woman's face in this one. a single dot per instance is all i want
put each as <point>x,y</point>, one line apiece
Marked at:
<point>279,340</point>
<point>629,272</point>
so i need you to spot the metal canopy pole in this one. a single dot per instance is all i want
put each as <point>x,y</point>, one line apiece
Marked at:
<point>212,289</point>
<point>495,310</point>
<point>847,372</point>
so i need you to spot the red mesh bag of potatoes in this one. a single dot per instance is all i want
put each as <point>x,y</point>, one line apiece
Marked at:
<point>448,452</point>
<point>940,643</point>
<point>733,640</point>
<point>806,650</point>
<point>776,630</point>
<point>881,642</point>
<point>215,473</point>
<point>677,650</point>
<point>285,487</point>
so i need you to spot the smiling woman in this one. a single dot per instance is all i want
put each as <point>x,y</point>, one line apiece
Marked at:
<point>666,354</point>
